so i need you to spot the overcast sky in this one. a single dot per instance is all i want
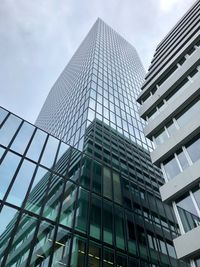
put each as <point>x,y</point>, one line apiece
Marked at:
<point>38,37</point>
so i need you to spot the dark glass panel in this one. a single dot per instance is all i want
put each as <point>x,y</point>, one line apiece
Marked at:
<point>107,222</point>
<point>8,129</point>
<point>108,257</point>
<point>94,255</point>
<point>121,260</point>
<point>97,178</point>
<point>19,188</point>
<point>117,188</point>
<point>132,246</point>
<point>78,252</point>
<point>7,170</point>
<point>107,183</point>
<point>85,173</point>
<point>119,227</point>
<point>82,210</point>
<point>68,205</point>
<point>23,137</point>
<point>95,217</point>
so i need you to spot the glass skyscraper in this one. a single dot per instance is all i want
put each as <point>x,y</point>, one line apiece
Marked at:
<point>102,80</point>
<point>94,202</point>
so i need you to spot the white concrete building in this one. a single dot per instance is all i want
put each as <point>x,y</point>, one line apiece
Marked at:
<point>170,101</point>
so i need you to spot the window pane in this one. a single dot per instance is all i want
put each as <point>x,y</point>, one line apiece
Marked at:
<point>23,137</point>
<point>107,183</point>
<point>36,145</point>
<point>108,257</point>
<point>107,222</point>
<point>23,239</point>
<point>119,227</point>
<point>82,210</point>
<point>7,170</point>
<point>8,129</point>
<point>3,114</point>
<point>42,249</point>
<point>186,203</point>
<point>194,150</point>
<point>197,196</point>
<point>171,168</point>
<point>38,190</point>
<point>21,183</point>
<point>182,159</point>
<point>161,137</point>
<point>95,217</point>
<point>94,255</point>
<point>49,153</point>
<point>78,252</point>
<point>97,177</point>
<point>117,188</point>
<point>61,252</point>
<point>68,205</point>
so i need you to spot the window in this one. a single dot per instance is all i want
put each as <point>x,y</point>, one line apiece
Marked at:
<point>171,167</point>
<point>193,150</point>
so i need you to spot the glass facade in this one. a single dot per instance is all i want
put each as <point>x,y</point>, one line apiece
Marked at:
<point>101,81</point>
<point>63,207</point>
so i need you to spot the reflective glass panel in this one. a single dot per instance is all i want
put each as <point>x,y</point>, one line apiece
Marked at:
<point>8,129</point>
<point>107,183</point>
<point>49,153</point>
<point>82,210</point>
<point>23,137</point>
<point>183,160</point>
<point>94,255</point>
<point>21,183</point>
<point>107,222</point>
<point>38,190</point>
<point>171,168</point>
<point>7,169</point>
<point>36,145</point>
<point>3,114</point>
<point>68,205</point>
<point>108,257</point>
<point>194,150</point>
<point>78,252</point>
<point>95,217</point>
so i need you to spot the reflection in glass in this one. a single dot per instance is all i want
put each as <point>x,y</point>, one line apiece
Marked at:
<point>117,188</point>
<point>8,217</point>
<point>21,243</point>
<point>95,217</point>
<point>107,222</point>
<point>82,210</point>
<point>119,227</point>
<point>107,183</point>
<point>8,129</point>
<point>21,140</point>
<point>36,145</point>
<point>7,170</point>
<point>49,153</point>
<point>3,114</point>
<point>68,205</point>
<point>182,159</point>
<point>108,257</point>
<point>78,252</point>
<point>42,249</point>
<point>171,168</point>
<point>2,150</point>
<point>38,190</point>
<point>194,150</point>
<point>61,249</point>
<point>97,177</point>
<point>21,183</point>
<point>94,255</point>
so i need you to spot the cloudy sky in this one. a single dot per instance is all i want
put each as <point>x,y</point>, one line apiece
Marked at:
<point>38,37</point>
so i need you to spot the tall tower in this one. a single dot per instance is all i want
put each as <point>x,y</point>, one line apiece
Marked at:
<point>102,80</point>
<point>170,101</point>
